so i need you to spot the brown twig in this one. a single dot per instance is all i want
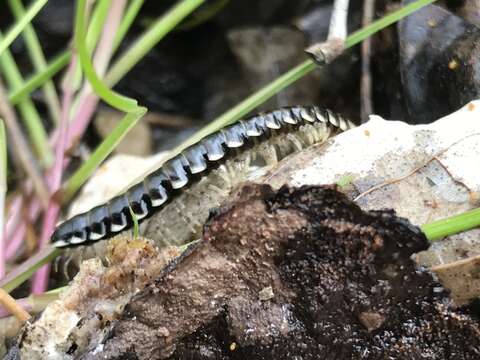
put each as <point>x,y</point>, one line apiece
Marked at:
<point>22,154</point>
<point>11,305</point>
<point>325,52</point>
<point>366,106</point>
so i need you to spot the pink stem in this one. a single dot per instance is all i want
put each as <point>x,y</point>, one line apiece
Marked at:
<point>101,59</point>
<point>15,242</point>
<point>40,280</point>
<point>3,236</point>
<point>14,214</point>
<point>87,106</point>
<point>17,238</point>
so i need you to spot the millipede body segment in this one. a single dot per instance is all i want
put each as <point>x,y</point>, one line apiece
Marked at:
<point>160,187</point>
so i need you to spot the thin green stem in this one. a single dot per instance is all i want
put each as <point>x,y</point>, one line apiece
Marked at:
<point>203,15</point>
<point>96,24</point>
<point>452,225</point>
<point>127,21</point>
<point>24,271</point>
<point>149,39</point>
<point>28,112</point>
<point>38,59</point>
<point>95,28</point>
<point>101,153</point>
<point>135,223</point>
<point>360,35</point>
<point>40,78</point>
<point>21,24</point>
<point>109,96</point>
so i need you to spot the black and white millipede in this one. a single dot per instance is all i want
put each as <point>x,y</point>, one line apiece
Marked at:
<point>161,186</point>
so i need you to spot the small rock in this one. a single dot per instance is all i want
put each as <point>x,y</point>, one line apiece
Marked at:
<point>371,320</point>
<point>266,294</point>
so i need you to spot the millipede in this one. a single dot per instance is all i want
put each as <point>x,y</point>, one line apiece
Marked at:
<point>174,200</point>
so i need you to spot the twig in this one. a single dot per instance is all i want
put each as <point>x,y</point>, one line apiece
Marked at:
<point>9,303</point>
<point>22,151</point>
<point>34,304</point>
<point>393,181</point>
<point>325,52</point>
<point>24,304</point>
<point>366,107</point>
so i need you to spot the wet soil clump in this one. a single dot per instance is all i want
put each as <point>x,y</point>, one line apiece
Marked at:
<point>296,274</point>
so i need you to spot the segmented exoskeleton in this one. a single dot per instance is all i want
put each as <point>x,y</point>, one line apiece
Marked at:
<point>222,157</point>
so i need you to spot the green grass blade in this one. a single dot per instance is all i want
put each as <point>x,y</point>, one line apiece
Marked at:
<point>135,223</point>
<point>452,225</point>
<point>40,78</point>
<point>265,93</point>
<point>367,31</point>
<point>21,24</point>
<point>28,112</point>
<point>96,24</point>
<point>23,272</point>
<point>101,153</point>
<point>38,60</point>
<point>95,28</point>
<point>111,97</point>
<point>149,39</point>
<point>203,15</point>
<point>127,21</point>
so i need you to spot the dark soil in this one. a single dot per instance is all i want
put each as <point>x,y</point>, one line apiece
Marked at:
<point>296,274</point>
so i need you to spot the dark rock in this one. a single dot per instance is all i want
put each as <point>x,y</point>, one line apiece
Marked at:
<point>439,58</point>
<point>343,284</point>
